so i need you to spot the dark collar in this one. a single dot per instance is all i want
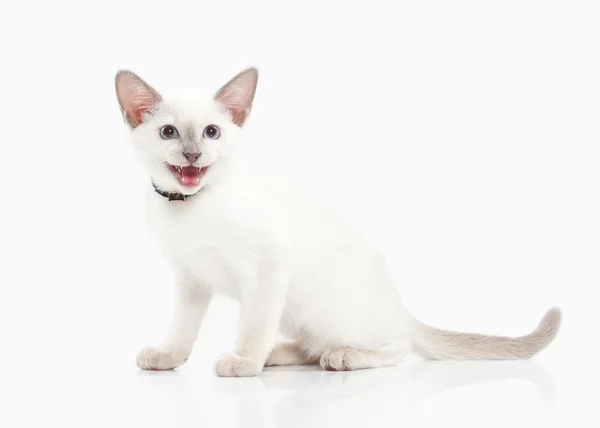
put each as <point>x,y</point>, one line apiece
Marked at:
<point>171,196</point>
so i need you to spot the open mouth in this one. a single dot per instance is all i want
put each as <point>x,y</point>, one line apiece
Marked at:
<point>189,176</point>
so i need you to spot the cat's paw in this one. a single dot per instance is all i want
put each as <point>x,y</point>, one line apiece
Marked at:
<point>232,365</point>
<point>155,359</point>
<point>342,359</point>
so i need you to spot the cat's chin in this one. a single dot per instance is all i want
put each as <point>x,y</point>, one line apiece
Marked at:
<point>189,177</point>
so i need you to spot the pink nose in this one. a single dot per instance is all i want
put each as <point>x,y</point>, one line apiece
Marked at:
<point>192,156</point>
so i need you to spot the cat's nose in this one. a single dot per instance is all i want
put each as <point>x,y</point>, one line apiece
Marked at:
<point>192,156</point>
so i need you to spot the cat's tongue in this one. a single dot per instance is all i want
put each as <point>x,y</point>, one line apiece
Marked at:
<point>190,175</point>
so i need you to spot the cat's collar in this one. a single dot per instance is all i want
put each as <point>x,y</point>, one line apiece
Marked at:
<point>171,196</point>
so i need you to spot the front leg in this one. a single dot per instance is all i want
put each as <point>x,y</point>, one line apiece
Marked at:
<point>191,303</point>
<point>259,321</point>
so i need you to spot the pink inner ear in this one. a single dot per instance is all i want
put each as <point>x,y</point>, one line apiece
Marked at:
<point>238,94</point>
<point>135,115</point>
<point>135,96</point>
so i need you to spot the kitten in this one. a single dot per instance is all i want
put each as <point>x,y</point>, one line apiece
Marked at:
<point>293,265</point>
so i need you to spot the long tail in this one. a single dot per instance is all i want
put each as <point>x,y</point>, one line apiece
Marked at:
<point>434,344</point>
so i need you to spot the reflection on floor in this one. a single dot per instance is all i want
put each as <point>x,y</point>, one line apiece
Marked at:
<point>304,394</point>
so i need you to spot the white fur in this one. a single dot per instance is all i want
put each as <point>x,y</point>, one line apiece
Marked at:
<point>293,265</point>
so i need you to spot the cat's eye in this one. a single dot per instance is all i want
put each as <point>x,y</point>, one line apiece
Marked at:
<point>169,132</point>
<point>212,132</point>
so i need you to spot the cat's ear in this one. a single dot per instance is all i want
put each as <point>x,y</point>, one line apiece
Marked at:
<point>135,96</point>
<point>238,94</point>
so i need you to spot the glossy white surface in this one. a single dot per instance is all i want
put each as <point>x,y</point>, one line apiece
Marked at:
<point>496,394</point>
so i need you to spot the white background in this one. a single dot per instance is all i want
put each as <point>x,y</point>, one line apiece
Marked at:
<point>462,137</point>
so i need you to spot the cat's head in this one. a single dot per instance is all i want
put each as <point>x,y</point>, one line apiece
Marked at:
<point>185,141</point>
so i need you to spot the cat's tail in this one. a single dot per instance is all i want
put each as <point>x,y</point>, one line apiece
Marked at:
<point>435,344</point>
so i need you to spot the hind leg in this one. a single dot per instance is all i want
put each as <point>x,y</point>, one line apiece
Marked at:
<point>288,354</point>
<point>345,359</point>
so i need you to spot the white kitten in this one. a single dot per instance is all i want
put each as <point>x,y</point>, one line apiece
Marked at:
<point>293,265</point>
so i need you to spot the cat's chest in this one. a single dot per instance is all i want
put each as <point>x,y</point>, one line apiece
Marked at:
<point>208,240</point>
<point>181,228</point>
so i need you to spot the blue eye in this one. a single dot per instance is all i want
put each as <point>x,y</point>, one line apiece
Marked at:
<point>169,132</point>
<point>212,132</point>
